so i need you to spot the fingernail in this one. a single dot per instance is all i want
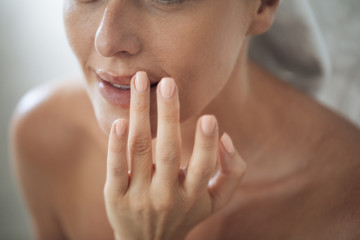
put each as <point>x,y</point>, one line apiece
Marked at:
<point>208,124</point>
<point>167,87</point>
<point>141,82</point>
<point>120,127</point>
<point>227,143</point>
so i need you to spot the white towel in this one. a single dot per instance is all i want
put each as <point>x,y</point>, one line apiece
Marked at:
<point>294,48</point>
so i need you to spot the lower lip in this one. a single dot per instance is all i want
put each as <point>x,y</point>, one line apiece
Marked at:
<point>115,95</point>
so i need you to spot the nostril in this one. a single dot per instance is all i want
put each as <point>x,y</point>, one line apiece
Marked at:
<point>109,45</point>
<point>114,36</point>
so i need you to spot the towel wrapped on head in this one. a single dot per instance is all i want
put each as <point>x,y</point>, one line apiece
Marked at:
<point>294,49</point>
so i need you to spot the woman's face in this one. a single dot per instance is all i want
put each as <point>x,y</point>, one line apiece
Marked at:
<point>196,42</point>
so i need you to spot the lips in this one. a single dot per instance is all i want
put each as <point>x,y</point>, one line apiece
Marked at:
<point>122,80</point>
<point>116,89</point>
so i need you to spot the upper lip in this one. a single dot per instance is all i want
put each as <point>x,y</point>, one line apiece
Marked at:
<point>120,79</point>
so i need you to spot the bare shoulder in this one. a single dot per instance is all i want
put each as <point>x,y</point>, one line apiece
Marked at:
<point>48,118</point>
<point>46,133</point>
<point>328,146</point>
<point>340,158</point>
<point>336,172</point>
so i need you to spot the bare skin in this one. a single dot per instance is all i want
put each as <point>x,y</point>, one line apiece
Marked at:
<point>313,195</point>
<point>302,159</point>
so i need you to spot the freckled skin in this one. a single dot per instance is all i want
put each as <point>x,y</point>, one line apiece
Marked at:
<point>186,42</point>
<point>303,172</point>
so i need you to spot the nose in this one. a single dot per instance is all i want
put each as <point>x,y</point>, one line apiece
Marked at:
<point>116,33</point>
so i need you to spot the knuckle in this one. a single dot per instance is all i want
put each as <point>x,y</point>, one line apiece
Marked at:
<point>140,145</point>
<point>167,155</point>
<point>118,171</point>
<point>240,170</point>
<point>113,201</point>
<point>202,172</point>
<point>109,195</point>
<point>170,113</point>
<point>164,204</point>
<point>140,207</point>
<point>140,106</point>
<point>169,117</point>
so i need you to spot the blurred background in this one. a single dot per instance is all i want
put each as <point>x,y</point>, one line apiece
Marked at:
<point>33,49</point>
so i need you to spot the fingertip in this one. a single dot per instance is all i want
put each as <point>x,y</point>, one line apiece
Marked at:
<point>120,127</point>
<point>118,136</point>
<point>205,154</point>
<point>227,144</point>
<point>226,153</point>
<point>139,75</point>
<point>230,161</point>
<point>208,125</point>
<point>167,87</point>
<point>117,166</point>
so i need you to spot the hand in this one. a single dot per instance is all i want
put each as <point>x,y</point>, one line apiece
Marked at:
<point>160,201</point>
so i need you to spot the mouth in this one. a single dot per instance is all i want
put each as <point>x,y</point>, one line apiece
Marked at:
<point>122,87</point>
<point>127,87</point>
<point>119,81</point>
<point>115,89</point>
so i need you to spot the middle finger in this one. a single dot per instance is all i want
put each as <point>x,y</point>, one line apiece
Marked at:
<point>168,144</point>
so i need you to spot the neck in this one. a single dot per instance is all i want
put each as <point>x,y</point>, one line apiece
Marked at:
<point>234,95</point>
<point>250,109</point>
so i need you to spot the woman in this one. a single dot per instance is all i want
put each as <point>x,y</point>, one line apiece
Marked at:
<point>302,159</point>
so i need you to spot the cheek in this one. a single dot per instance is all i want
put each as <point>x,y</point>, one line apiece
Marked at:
<point>202,56</point>
<point>80,26</point>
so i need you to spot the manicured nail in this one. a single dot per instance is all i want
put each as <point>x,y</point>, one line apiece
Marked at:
<point>227,143</point>
<point>120,127</point>
<point>141,82</point>
<point>208,124</point>
<point>167,87</point>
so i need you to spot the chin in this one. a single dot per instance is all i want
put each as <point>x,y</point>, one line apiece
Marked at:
<point>105,117</point>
